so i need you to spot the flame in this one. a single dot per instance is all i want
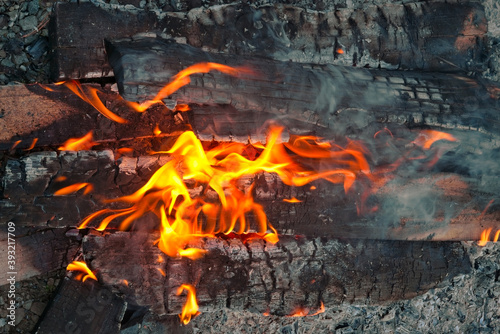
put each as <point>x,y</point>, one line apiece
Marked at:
<point>60,178</point>
<point>182,107</point>
<point>485,237</point>
<point>428,137</point>
<point>33,143</point>
<point>15,144</point>
<point>162,272</point>
<point>81,266</point>
<point>340,51</point>
<point>125,282</point>
<point>157,130</point>
<point>74,188</point>
<point>303,312</point>
<point>292,200</point>
<point>190,308</point>
<point>78,144</point>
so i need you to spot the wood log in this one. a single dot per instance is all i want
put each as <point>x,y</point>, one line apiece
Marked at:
<point>38,251</point>
<point>83,307</point>
<point>260,277</point>
<point>57,112</point>
<point>420,205</point>
<point>342,99</point>
<point>437,35</point>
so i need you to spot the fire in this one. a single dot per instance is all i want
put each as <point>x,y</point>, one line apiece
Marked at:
<point>33,143</point>
<point>190,309</point>
<point>485,237</point>
<point>157,130</point>
<point>78,144</point>
<point>74,188</point>
<point>81,266</point>
<point>428,137</point>
<point>303,312</point>
<point>15,144</point>
<point>292,200</point>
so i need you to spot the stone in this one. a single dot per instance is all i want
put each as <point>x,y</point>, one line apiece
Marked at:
<point>20,59</point>
<point>4,21</point>
<point>7,63</point>
<point>33,7</point>
<point>38,308</point>
<point>28,23</point>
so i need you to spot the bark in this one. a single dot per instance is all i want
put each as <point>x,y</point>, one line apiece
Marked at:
<point>420,206</point>
<point>447,36</point>
<point>277,278</point>
<point>61,115</point>
<point>337,98</point>
<point>83,307</point>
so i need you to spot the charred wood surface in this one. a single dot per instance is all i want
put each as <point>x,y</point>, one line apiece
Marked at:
<point>277,278</point>
<point>52,117</point>
<point>83,307</point>
<point>38,251</point>
<point>421,206</point>
<point>444,36</point>
<point>333,97</point>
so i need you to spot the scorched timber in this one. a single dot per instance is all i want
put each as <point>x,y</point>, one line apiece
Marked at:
<point>335,97</point>
<point>437,36</point>
<point>452,210</point>
<point>262,277</point>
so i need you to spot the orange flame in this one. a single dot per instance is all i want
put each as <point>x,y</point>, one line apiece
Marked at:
<point>74,188</point>
<point>81,266</point>
<point>303,312</point>
<point>428,137</point>
<point>485,237</point>
<point>190,308</point>
<point>292,200</point>
<point>157,130</point>
<point>78,144</point>
<point>340,51</point>
<point>15,144</point>
<point>33,143</point>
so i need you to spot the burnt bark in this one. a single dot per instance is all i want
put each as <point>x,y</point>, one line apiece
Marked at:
<point>336,98</point>
<point>83,307</point>
<point>421,206</point>
<point>260,277</point>
<point>447,36</point>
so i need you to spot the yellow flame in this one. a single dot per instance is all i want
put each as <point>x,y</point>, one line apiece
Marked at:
<point>82,267</point>
<point>190,308</point>
<point>78,144</point>
<point>74,188</point>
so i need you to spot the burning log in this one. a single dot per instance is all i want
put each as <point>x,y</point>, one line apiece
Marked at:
<point>421,35</point>
<point>341,99</point>
<point>451,211</point>
<point>83,308</point>
<point>261,277</point>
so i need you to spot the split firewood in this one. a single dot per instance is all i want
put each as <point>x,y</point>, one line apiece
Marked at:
<point>83,307</point>
<point>438,36</point>
<point>437,206</point>
<point>39,250</point>
<point>58,110</point>
<point>342,99</point>
<point>277,279</point>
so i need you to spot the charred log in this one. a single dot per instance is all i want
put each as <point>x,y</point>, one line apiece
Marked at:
<point>334,97</point>
<point>447,36</point>
<point>260,277</point>
<point>437,207</point>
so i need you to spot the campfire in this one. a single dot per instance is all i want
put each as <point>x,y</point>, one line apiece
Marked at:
<point>195,180</point>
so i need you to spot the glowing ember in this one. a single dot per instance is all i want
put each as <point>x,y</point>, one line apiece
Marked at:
<point>157,130</point>
<point>190,309</point>
<point>78,144</point>
<point>15,144</point>
<point>74,188</point>
<point>81,266</point>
